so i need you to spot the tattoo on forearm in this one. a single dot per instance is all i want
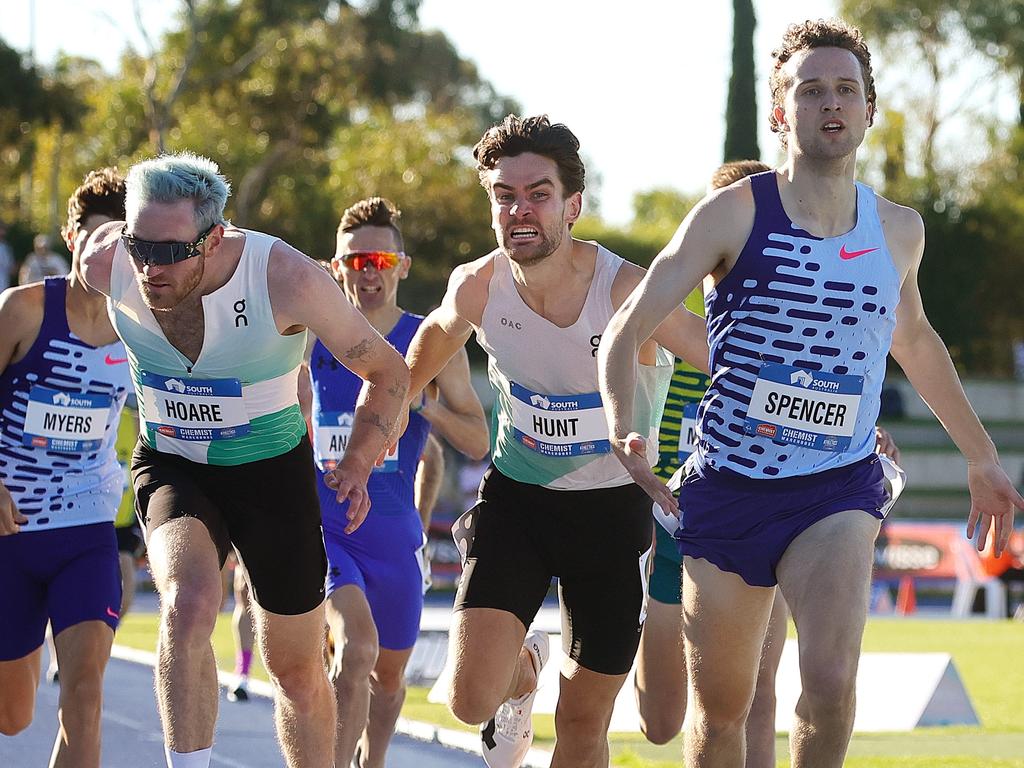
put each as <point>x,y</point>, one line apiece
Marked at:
<point>379,422</point>
<point>361,351</point>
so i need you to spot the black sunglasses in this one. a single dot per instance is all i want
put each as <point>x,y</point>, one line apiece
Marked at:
<point>150,252</point>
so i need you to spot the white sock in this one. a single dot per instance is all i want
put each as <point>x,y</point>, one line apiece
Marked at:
<point>198,759</point>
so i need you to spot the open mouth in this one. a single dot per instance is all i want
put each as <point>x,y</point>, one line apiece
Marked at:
<point>369,289</point>
<point>833,126</point>
<point>523,233</point>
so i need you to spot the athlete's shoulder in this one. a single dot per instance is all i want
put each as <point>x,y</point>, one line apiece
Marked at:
<point>469,287</point>
<point>903,227</point>
<point>21,317</point>
<point>97,255</point>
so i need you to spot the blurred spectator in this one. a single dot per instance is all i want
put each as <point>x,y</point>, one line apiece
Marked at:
<point>42,262</point>
<point>6,259</point>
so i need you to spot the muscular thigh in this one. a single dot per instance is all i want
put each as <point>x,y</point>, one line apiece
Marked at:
<point>603,540</point>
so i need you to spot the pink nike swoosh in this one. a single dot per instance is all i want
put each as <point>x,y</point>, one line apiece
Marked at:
<point>112,614</point>
<point>846,255</point>
<point>114,360</point>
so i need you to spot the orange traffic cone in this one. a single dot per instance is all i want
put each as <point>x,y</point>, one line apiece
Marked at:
<point>906,599</point>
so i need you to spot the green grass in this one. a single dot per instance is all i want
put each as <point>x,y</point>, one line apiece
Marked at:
<point>989,657</point>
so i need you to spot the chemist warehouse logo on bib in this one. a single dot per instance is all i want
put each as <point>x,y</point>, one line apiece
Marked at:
<point>806,380</point>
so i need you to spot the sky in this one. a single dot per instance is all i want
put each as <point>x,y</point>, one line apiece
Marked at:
<point>642,84</point>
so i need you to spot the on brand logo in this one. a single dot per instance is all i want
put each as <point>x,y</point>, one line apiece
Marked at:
<point>595,341</point>
<point>240,318</point>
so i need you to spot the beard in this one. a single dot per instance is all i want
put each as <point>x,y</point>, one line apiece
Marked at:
<point>533,253</point>
<point>166,297</point>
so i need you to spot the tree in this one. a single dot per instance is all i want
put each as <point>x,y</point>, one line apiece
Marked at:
<point>741,106</point>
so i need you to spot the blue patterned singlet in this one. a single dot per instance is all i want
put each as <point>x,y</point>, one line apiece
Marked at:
<point>799,331</point>
<point>61,406</point>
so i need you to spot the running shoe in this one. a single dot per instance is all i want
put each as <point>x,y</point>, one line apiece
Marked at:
<point>507,737</point>
<point>239,693</point>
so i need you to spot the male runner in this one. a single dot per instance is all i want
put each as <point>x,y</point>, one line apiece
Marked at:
<point>555,502</point>
<point>376,576</point>
<point>63,382</point>
<point>214,320</point>
<point>661,669</point>
<point>815,276</point>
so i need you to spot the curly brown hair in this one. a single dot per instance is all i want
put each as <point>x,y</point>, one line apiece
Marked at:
<point>373,212</point>
<point>731,172</point>
<point>102,192</point>
<point>823,33</point>
<point>515,135</point>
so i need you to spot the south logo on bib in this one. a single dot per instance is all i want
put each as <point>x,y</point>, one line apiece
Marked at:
<point>194,409</point>
<point>65,421</point>
<point>333,430</point>
<point>811,409</point>
<point>558,425</point>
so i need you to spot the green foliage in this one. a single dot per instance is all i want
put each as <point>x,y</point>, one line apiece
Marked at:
<point>741,107</point>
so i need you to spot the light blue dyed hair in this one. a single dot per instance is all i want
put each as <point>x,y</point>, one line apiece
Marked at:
<point>181,176</point>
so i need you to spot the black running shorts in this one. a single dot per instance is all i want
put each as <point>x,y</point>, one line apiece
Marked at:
<point>267,509</point>
<point>519,536</point>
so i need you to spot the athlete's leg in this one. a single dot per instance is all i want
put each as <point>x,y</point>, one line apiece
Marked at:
<point>661,673</point>
<point>582,716</point>
<point>488,661</point>
<point>387,694</point>
<point>825,576</point>
<point>82,652</point>
<point>126,563</point>
<point>761,719</point>
<point>186,570</point>
<point>293,652</point>
<point>724,621</point>
<point>355,638</point>
<point>241,631</point>
<point>19,679</point>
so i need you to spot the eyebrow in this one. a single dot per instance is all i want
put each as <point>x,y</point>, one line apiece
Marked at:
<point>817,80</point>
<point>534,185</point>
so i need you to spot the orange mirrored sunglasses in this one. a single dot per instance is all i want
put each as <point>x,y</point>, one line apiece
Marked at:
<point>381,260</point>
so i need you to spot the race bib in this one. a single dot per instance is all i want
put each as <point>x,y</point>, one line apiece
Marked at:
<point>558,425</point>
<point>194,409</point>
<point>333,430</point>
<point>688,430</point>
<point>64,421</point>
<point>811,409</point>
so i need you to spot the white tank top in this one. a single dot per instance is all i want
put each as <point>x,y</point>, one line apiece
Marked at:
<point>549,425</point>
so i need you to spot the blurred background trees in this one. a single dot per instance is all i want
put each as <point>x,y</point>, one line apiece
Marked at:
<point>309,105</point>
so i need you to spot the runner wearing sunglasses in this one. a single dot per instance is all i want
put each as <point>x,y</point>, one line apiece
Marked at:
<point>214,319</point>
<point>376,576</point>
<point>63,381</point>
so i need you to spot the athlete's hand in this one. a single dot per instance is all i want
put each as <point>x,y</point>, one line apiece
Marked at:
<point>349,483</point>
<point>632,452</point>
<point>993,499</point>
<point>11,519</point>
<point>885,444</point>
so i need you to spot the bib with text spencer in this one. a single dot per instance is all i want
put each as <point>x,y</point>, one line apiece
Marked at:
<point>811,409</point>
<point>194,409</point>
<point>688,431</point>
<point>333,430</point>
<point>64,421</point>
<point>558,425</point>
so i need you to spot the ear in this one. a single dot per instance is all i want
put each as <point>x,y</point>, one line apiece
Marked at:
<point>871,114</point>
<point>214,239</point>
<point>780,117</point>
<point>573,207</point>
<point>336,269</point>
<point>403,267</point>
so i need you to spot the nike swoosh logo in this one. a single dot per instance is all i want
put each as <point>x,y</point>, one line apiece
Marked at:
<point>115,360</point>
<point>846,255</point>
<point>112,614</point>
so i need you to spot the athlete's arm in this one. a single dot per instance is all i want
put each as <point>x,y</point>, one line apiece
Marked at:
<point>429,474</point>
<point>97,251</point>
<point>456,412</point>
<point>445,330</point>
<point>682,333</point>
<point>924,358</point>
<point>702,242</point>
<point>304,296</point>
